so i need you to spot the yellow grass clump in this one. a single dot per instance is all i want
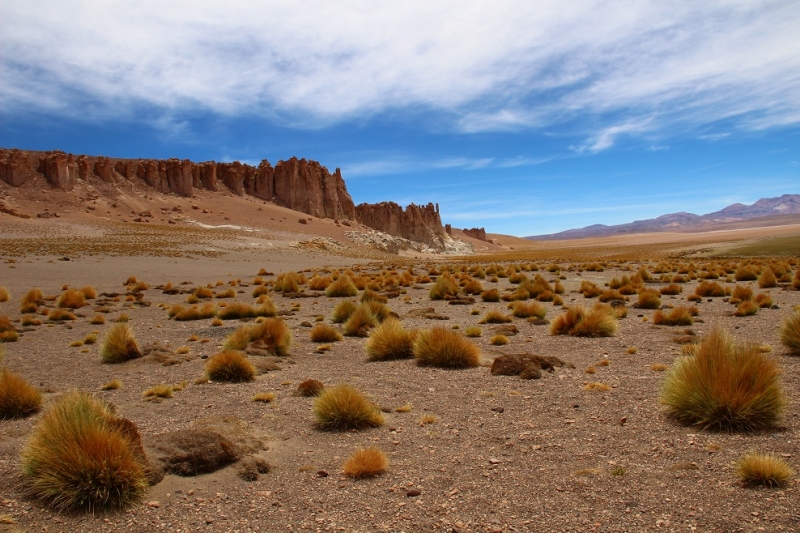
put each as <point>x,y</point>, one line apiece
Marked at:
<point>767,279</point>
<point>4,295</point>
<point>498,340</point>
<point>342,311</point>
<point>724,386</point>
<point>493,316</point>
<point>445,348</point>
<point>648,299</point>
<point>341,287</point>
<point>527,310</point>
<point>83,457</point>
<point>71,299</point>
<point>763,469</point>
<point>343,407</point>
<point>119,345</point>
<point>272,334</point>
<point>491,295</point>
<point>389,340</point>
<point>746,308</point>
<point>31,301</point>
<point>366,462</point>
<point>310,387</point>
<point>678,316</point>
<point>324,333</point>
<point>18,398</point>
<point>230,366</point>
<point>360,321</point>
<point>445,286</point>
<point>600,321</point>
<point>790,333</point>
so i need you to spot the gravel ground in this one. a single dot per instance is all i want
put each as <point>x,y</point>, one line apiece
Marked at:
<point>504,454</point>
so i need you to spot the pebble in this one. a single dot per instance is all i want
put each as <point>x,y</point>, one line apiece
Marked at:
<point>154,504</point>
<point>413,493</point>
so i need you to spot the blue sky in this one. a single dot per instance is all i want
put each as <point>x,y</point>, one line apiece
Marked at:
<point>522,117</point>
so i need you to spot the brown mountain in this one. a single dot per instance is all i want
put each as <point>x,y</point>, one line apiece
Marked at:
<point>762,211</point>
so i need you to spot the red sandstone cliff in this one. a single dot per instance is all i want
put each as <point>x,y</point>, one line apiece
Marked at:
<point>304,186</point>
<point>416,223</point>
<point>475,233</point>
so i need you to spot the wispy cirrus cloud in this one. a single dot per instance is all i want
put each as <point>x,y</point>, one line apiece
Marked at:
<point>510,66</point>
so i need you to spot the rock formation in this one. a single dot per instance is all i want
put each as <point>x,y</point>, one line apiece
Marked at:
<point>416,223</point>
<point>298,184</point>
<point>476,233</point>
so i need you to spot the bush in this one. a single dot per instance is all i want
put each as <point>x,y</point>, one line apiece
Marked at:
<point>324,333</point>
<point>494,316</point>
<point>230,366</point>
<point>71,299</point>
<point>445,348</point>
<point>767,279</point>
<point>342,311</point>
<point>82,456</point>
<point>289,282</point>
<point>319,283</point>
<point>600,321</point>
<point>648,299</point>
<point>272,333</point>
<point>498,340</point>
<point>491,295</point>
<point>473,331</point>
<point>724,386</point>
<point>746,308</point>
<point>4,295</point>
<point>390,340</point>
<point>445,286</point>
<point>710,288</point>
<point>764,300</point>
<point>119,345</point>
<point>671,290</point>
<point>343,407</point>
<point>763,469</point>
<point>310,387</point>
<point>744,273</point>
<point>790,333</point>
<point>589,289</point>
<point>360,321</point>
<point>527,310</point>
<point>31,301</point>
<point>741,293</point>
<point>18,398</point>
<point>371,296</point>
<point>366,462</point>
<point>237,310</point>
<point>343,286</point>
<point>679,316</point>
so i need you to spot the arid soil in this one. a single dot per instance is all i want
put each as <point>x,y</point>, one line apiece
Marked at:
<point>502,454</point>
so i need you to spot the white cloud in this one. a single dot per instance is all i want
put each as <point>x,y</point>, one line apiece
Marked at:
<point>504,66</point>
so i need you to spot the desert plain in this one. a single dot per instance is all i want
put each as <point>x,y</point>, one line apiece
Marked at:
<point>467,450</point>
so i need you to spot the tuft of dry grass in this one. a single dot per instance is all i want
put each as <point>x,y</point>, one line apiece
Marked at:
<point>71,299</point>
<point>366,462</point>
<point>767,279</point>
<point>741,293</point>
<point>238,310</point>
<point>31,301</point>
<point>473,331</point>
<point>89,292</point>
<point>427,419</point>
<point>445,286</point>
<point>119,345</point>
<point>389,340</point>
<point>763,469</point>
<point>360,321</point>
<point>341,287</point>
<point>724,386</point>
<point>28,320</point>
<point>631,350</point>
<point>498,340</point>
<point>343,407</point>
<point>310,388</point>
<point>596,386</point>
<point>491,295</point>
<point>342,311</point>
<point>527,310</point>
<point>60,315</point>
<point>230,366</point>
<point>83,457</point>
<point>324,333</point>
<point>790,333</point>
<point>764,300</point>
<point>159,391</point>
<point>658,367</point>
<point>406,408</point>
<point>97,320</point>
<point>746,308</point>
<point>272,334</point>
<point>493,316</point>
<point>4,295</point>
<point>648,299</point>
<point>678,316</point>
<point>114,384</point>
<point>445,348</point>
<point>600,321</point>
<point>18,398</point>
<point>265,397</point>
<point>710,289</point>
<point>671,290</point>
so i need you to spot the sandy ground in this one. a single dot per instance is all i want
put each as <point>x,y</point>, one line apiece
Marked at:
<point>503,454</point>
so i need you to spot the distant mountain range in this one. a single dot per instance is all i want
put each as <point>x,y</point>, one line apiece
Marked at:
<point>788,204</point>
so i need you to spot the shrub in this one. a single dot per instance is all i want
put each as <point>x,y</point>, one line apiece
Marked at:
<point>194,312</point>
<point>746,308</point>
<point>289,282</point>
<point>388,341</point>
<point>790,333</point>
<point>494,316</point>
<point>59,315</point>
<point>648,299</point>
<point>498,340</point>
<point>445,286</point>
<point>445,348</point>
<point>763,469</point>
<point>597,386</point>
<point>611,295</point>
<point>89,292</point>
<point>28,320</point>
<point>230,366</point>
<point>237,310</point>
<point>97,320</point>
<point>324,333</point>
<point>119,345</point>
<point>671,290</point>
<point>342,311</point>
<point>319,283</point>
<point>343,407</point>
<point>272,334</point>
<point>360,322</point>
<point>527,310</point>
<point>764,300</point>
<point>114,384</point>
<point>4,296</point>
<point>309,388</point>
<point>203,292</point>
<point>31,301</point>
<point>679,316</point>
<point>381,311</point>
<point>710,288</point>
<point>767,279</point>
<point>473,331</point>
<point>600,321</point>
<point>741,293</point>
<point>366,462</point>
<point>371,296</point>
<point>266,397</point>
<point>589,289</point>
<point>159,391</point>
<point>724,386</point>
<point>71,299</point>
<point>473,286</point>
<point>744,273</point>
<point>343,286</point>
<point>82,456</point>
<point>18,398</point>
<point>492,295</point>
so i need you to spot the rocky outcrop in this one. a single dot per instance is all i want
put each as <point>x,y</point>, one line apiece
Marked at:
<point>298,184</point>
<point>476,233</point>
<point>416,223</point>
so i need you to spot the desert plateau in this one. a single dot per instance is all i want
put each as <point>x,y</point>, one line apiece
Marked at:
<point>574,440</point>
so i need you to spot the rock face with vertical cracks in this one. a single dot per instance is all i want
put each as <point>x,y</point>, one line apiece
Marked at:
<point>415,222</point>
